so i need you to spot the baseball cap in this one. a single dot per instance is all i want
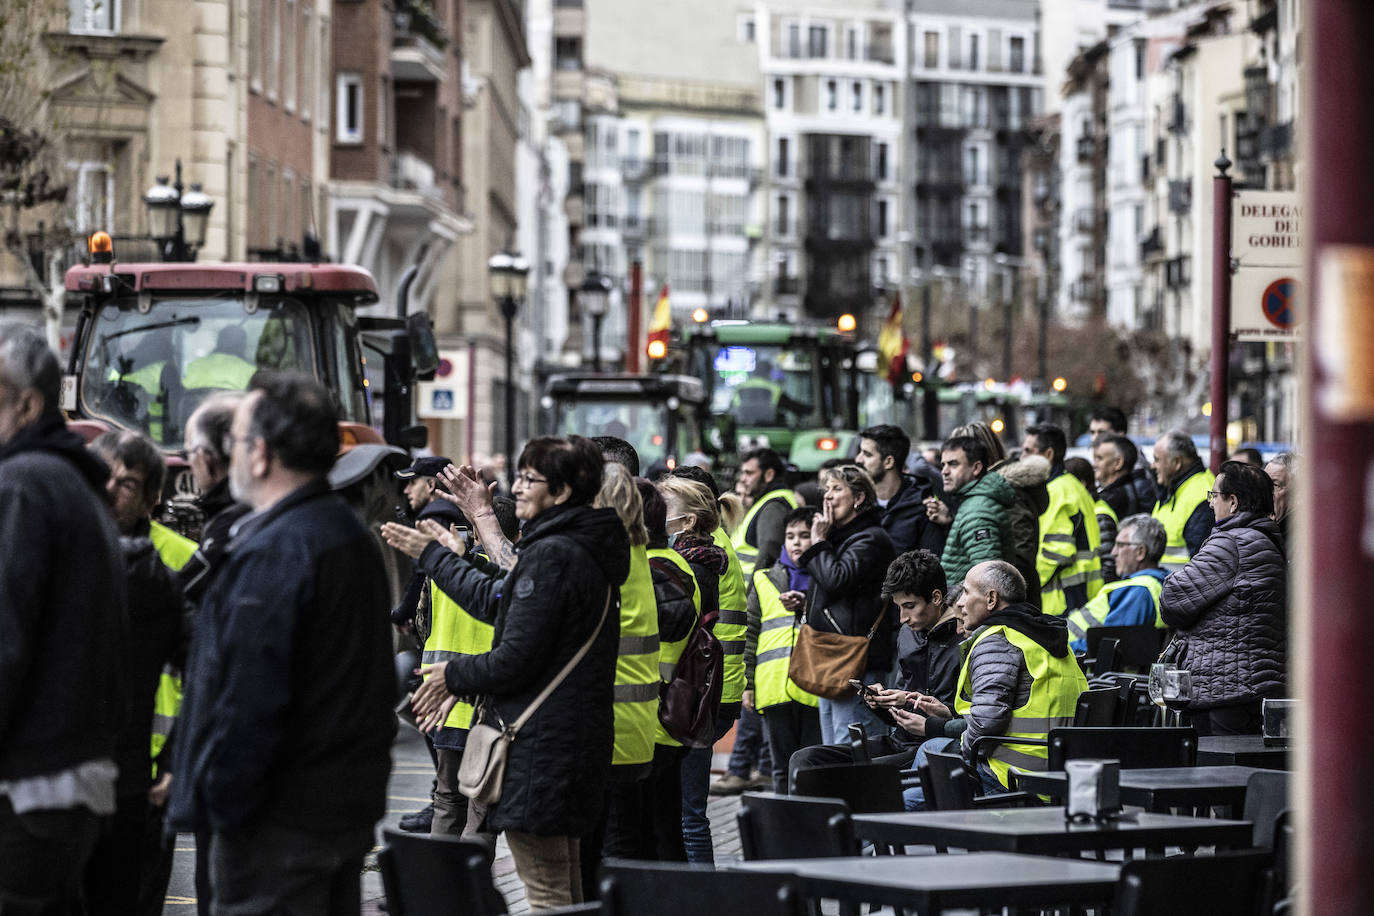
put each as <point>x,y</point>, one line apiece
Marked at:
<point>424,467</point>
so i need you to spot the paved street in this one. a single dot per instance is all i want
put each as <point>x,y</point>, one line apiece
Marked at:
<point>407,791</point>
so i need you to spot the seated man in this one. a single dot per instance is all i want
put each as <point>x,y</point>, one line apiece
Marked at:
<point>1019,679</point>
<point>928,654</point>
<point>225,366</point>
<point>1132,600</point>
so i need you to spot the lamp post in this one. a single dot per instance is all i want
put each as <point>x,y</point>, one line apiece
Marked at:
<point>508,273</point>
<point>1007,263</point>
<point>178,217</point>
<point>593,299</point>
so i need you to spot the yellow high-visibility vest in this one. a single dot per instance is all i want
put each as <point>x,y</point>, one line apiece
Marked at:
<point>1068,564</point>
<point>733,623</point>
<point>1055,688</point>
<point>636,666</point>
<point>670,652</point>
<point>175,550</point>
<point>1174,516</point>
<point>777,634</point>
<point>749,553</point>
<point>1094,613</point>
<point>454,632</point>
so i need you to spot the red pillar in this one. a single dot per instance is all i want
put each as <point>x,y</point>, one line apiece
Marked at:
<point>636,319</point>
<point>1334,619</point>
<point>1221,309</point>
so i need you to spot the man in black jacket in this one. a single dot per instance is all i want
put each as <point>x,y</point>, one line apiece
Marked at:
<point>882,453</point>
<point>927,653</point>
<point>287,724</point>
<point>62,636</point>
<point>206,432</point>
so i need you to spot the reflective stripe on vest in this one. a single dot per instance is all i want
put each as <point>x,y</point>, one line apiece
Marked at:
<point>733,624</point>
<point>1174,516</point>
<point>453,632</point>
<point>1055,686</point>
<point>175,551</point>
<point>777,635</point>
<point>1094,613</point>
<point>670,652</point>
<point>636,665</point>
<point>1069,565</point>
<point>749,553</point>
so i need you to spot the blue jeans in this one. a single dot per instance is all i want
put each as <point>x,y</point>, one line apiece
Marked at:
<point>696,786</point>
<point>751,746</point>
<point>914,799</point>
<point>836,715</point>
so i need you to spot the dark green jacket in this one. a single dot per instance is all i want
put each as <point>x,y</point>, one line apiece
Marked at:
<point>982,526</point>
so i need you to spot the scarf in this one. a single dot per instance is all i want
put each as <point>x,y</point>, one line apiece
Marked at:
<point>798,579</point>
<point>703,552</point>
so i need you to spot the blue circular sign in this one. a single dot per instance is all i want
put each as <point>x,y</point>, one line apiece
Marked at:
<point>1278,304</point>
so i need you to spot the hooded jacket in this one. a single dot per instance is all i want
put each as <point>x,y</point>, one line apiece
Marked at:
<point>905,519</point>
<point>1230,604</point>
<point>982,526</point>
<point>63,627</point>
<point>569,558</point>
<point>847,569</point>
<point>930,662</point>
<point>1028,476</point>
<point>1001,682</point>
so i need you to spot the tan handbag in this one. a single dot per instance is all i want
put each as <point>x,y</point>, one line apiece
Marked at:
<point>823,663</point>
<point>484,755</point>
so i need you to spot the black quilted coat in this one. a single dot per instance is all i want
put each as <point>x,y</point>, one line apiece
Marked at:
<point>1230,603</point>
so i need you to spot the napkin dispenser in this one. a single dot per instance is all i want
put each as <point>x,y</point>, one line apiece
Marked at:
<point>1278,721</point>
<point>1094,790</point>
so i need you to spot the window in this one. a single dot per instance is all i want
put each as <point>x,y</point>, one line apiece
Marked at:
<point>349,112</point>
<point>793,39</point>
<point>94,197</point>
<point>784,224</point>
<point>880,219</point>
<point>292,58</point>
<point>880,165</point>
<point>1140,60</point>
<point>932,51</point>
<point>832,95</point>
<point>779,94</point>
<point>851,43</point>
<point>973,52</point>
<point>309,64</point>
<point>93,15</point>
<point>273,80</point>
<point>784,151</point>
<point>857,96</point>
<point>816,37</point>
<point>879,99</point>
<point>567,53</point>
<point>1017,63</point>
<point>746,29</point>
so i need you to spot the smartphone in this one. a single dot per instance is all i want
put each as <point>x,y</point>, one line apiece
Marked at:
<point>863,689</point>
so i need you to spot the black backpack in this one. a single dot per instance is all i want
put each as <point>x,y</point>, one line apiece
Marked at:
<point>687,705</point>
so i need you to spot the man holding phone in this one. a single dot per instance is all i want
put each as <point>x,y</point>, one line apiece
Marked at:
<point>928,655</point>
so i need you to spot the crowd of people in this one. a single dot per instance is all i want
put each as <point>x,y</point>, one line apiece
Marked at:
<point>243,689</point>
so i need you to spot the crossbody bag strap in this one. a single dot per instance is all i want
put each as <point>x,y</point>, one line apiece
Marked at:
<point>567,669</point>
<point>874,629</point>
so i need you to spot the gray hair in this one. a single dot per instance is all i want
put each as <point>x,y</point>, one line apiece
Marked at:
<point>26,361</point>
<point>1289,460</point>
<point>210,422</point>
<point>1148,532</point>
<point>856,479</point>
<point>1179,444</point>
<point>1005,579</point>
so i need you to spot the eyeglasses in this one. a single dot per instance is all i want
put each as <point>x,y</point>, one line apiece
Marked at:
<point>529,480</point>
<point>1213,494</point>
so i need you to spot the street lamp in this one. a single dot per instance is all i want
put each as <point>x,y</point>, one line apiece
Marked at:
<point>593,298</point>
<point>1005,262</point>
<point>508,274</point>
<point>178,217</point>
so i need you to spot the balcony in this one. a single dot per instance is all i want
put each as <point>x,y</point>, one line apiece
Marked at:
<point>1276,141</point>
<point>976,234</point>
<point>1087,148</point>
<point>1084,221</point>
<point>1178,116</point>
<point>1180,197</point>
<point>1152,244</point>
<point>1084,289</point>
<point>409,172</point>
<point>786,286</point>
<point>1178,271</point>
<point>633,170</point>
<point>633,226</point>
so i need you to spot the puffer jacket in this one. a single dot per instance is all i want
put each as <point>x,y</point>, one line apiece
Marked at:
<point>982,526</point>
<point>1230,603</point>
<point>569,558</point>
<point>1028,476</point>
<point>847,570</point>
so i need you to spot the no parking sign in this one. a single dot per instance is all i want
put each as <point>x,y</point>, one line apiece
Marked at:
<point>1266,241</point>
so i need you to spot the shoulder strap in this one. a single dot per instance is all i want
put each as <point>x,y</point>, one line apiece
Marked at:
<point>567,669</point>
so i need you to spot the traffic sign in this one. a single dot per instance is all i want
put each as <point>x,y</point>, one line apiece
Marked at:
<point>1265,303</point>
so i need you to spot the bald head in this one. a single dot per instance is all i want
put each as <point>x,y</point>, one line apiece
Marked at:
<point>989,587</point>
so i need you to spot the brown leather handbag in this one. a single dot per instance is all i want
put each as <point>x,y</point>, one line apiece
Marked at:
<point>823,663</point>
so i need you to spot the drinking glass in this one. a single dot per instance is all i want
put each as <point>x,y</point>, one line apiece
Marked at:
<point>1155,686</point>
<point>1178,691</point>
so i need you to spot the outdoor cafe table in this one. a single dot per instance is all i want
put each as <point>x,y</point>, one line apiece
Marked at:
<point>1240,750</point>
<point>930,884</point>
<point>1044,831</point>
<point>1161,788</point>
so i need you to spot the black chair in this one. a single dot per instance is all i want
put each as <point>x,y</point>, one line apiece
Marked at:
<point>1097,708</point>
<point>949,786</point>
<point>425,875</point>
<point>868,788</point>
<point>1136,748</point>
<point>1227,884</point>
<point>1266,797</point>
<point>1137,647</point>
<point>794,827</point>
<point>858,743</point>
<point>1103,660</point>
<point>1285,838</point>
<point>635,888</point>
<point>1134,706</point>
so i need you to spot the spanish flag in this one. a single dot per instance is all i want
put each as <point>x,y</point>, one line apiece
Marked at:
<point>661,326</point>
<point>893,344</point>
